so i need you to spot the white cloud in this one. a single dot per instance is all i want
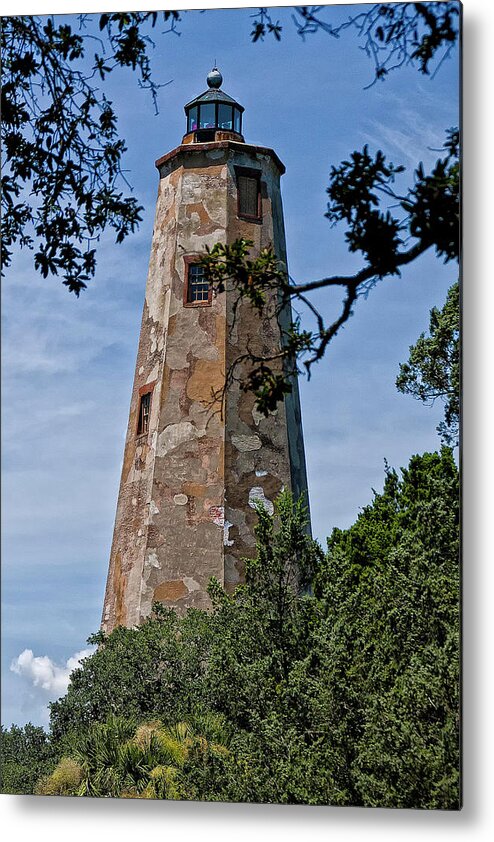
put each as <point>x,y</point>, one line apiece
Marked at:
<point>44,673</point>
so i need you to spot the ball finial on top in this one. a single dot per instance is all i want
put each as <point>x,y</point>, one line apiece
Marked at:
<point>214,78</point>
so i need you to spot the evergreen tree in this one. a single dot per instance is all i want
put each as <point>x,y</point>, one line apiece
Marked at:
<point>433,367</point>
<point>344,691</point>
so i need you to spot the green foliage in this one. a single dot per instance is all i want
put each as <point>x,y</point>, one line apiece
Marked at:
<point>392,34</point>
<point>114,759</point>
<point>26,753</point>
<point>354,198</point>
<point>433,367</point>
<point>61,160</point>
<point>389,229</point>
<point>395,709</point>
<point>434,202</point>
<point>357,188</point>
<point>252,278</point>
<point>64,780</point>
<point>260,630</point>
<point>62,183</point>
<point>261,281</point>
<point>155,670</point>
<point>62,173</point>
<point>324,679</point>
<point>107,759</point>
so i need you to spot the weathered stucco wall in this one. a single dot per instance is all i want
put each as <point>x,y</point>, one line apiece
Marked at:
<point>186,502</point>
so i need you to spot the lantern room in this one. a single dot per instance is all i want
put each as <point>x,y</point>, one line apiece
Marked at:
<point>213,115</point>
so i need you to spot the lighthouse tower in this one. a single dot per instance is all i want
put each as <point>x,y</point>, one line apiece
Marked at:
<point>192,469</point>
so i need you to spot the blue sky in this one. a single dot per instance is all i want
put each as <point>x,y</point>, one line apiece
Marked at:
<point>68,364</point>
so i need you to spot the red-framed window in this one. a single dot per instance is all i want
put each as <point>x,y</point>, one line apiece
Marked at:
<point>197,289</point>
<point>144,415</point>
<point>249,204</point>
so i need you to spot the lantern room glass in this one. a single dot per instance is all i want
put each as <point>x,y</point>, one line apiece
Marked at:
<point>214,115</point>
<point>237,125</point>
<point>192,119</point>
<point>225,120</point>
<point>207,115</point>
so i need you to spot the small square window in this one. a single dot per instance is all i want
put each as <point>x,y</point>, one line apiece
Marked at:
<point>249,194</point>
<point>144,410</point>
<point>198,288</point>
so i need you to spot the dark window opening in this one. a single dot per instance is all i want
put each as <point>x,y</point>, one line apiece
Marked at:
<point>249,194</point>
<point>144,409</point>
<point>205,135</point>
<point>198,288</point>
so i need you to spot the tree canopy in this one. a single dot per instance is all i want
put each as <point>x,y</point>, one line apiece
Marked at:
<point>328,678</point>
<point>62,178</point>
<point>389,229</point>
<point>433,368</point>
<point>64,184</point>
<point>27,754</point>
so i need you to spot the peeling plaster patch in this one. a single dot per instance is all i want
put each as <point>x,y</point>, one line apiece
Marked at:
<point>145,611</point>
<point>191,584</point>
<point>232,576</point>
<point>153,509</point>
<point>245,443</point>
<point>217,514</point>
<point>261,473</point>
<point>256,495</point>
<point>175,435</point>
<point>257,416</point>
<point>239,520</point>
<point>141,369</point>
<point>152,560</point>
<point>156,297</point>
<point>180,499</point>
<point>153,375</point>
<point>226,530</point>
<point>206,379</point>
<point>134,501</point>
<point>154,301</point>
<point>170,591</point>
<point>176,359</point>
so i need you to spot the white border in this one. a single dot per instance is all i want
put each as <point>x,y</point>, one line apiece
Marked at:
<point>54,819</point>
